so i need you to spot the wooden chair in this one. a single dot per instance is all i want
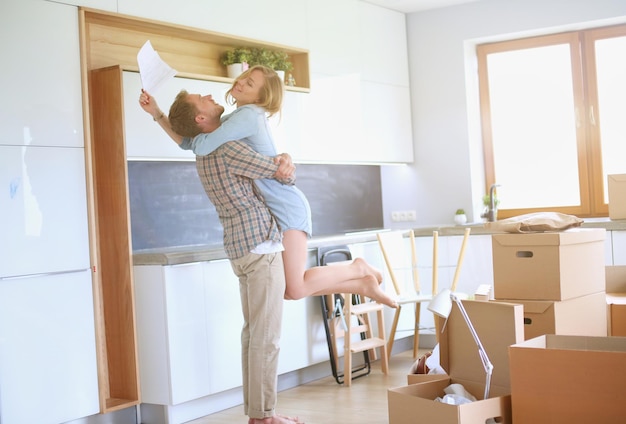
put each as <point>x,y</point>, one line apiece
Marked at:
<point>401,260</point>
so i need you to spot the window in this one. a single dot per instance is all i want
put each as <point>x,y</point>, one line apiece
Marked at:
<point>553,114</point>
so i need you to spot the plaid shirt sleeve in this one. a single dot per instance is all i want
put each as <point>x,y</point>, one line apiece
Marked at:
<point>248,163</point>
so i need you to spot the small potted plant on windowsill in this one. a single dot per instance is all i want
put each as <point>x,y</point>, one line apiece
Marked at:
<point>459,217</point>
<point>236,60</point>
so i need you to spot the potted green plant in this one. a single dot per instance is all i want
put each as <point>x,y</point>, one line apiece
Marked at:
<point>236,60</point>
<point>459,217</point>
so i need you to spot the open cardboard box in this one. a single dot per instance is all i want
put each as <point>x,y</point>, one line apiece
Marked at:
<point>568,379</point>
<point>549,266</point>
<point>498,326</point>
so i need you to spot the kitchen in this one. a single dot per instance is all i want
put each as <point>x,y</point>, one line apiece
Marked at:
<point>43,106</point>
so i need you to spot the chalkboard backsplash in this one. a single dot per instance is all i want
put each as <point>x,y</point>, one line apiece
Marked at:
<point>169,208</point>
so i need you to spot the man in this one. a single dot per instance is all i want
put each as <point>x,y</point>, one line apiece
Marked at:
<point>252,241</point>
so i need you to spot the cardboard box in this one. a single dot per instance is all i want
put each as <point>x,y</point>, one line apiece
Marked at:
<point>568,379</point>
<point>498,325</point>
<point>616,314</point>
<point>581,316</point>
<point>549,266</point>
<point>617,196</point>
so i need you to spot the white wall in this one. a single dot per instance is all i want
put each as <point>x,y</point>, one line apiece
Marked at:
<point>448,173</point>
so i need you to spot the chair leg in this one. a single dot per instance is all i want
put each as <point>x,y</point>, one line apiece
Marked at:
<point>384,354</point>
<point>392,332</point>
<point>347,340</point>
<point>416,333</point>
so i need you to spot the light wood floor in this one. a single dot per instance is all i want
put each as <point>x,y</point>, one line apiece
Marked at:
<point>326,402</point>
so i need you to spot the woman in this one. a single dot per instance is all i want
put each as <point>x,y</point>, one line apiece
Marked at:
<point>258,94</point>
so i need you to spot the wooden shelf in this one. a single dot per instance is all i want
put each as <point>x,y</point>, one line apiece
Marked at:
<point>114,39</point>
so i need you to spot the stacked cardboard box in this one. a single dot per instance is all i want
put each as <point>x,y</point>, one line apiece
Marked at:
<point>558,277</point>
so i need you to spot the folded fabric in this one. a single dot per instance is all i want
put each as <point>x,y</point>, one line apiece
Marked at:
<point>538,222</point>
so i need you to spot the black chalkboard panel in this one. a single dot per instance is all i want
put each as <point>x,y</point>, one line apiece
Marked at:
<point>168,206</point>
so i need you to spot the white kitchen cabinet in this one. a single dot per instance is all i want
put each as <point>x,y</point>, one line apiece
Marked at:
<point>383,45</point>
<point>145,139</point>
<point>44,210</point>
<point>188,328</point>
<point>333,34</point>
<point>224,321</point>
<point>619,247</point>
<point>48,66</point>
<point>276,21</point>
<point>110,5</point>
<point>386,132</point>
<point>48,368</point>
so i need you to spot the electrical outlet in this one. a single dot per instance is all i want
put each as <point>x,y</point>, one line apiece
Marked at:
<point>403,216</point>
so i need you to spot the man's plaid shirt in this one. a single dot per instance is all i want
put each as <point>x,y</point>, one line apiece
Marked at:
<point>227,176</point>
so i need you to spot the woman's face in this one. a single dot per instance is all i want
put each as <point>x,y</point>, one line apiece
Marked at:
<point>246,90</point>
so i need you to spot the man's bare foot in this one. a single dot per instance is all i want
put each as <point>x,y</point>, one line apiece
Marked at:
<point>276,419</point>
<point>374,292</point>
<point>367,269</point>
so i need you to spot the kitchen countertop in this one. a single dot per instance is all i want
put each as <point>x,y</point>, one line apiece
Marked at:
<point>188,254</point>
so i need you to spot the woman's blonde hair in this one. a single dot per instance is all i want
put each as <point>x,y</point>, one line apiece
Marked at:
<point>270,95</point>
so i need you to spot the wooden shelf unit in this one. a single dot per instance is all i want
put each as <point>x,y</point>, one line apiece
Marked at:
<point>114,39</point>
<point>118,370</point>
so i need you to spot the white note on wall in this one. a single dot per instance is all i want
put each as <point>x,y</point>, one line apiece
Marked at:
<point>153,70</point>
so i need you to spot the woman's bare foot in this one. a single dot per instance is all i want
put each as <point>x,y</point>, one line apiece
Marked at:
<point>374,292</point>
<point>367,269</point>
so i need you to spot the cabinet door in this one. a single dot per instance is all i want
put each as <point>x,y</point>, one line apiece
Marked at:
<point>144,137</point>
<point>48,67</point>
<point>387,131</point>
<point>224,322</point>
<point>48,371</point>
<point>189,340</point>
<point>44,210</point>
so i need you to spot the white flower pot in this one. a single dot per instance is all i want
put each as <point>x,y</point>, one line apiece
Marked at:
<point>460,219</point>
<point>236,69</point>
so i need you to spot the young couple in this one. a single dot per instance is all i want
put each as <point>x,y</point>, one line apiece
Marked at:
<point>266,220</point>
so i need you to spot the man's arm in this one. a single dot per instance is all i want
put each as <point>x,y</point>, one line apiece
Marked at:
<point>149,104</point>
<point>244,161</point>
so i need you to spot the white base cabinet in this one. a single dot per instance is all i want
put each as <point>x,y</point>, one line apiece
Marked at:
<point>48,367</point>
<point>188,328</point>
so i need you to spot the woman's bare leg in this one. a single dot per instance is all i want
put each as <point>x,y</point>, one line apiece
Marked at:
<point>355,277</point>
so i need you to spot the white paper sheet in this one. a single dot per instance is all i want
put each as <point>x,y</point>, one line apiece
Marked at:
<point>153,70</point>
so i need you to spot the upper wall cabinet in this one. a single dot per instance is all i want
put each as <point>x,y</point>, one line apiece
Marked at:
<point>383,54</point>
<point>114,40</point>
<point>274,21</point>
<point>333,37</point>
<point>48,65</point>
<point>385,96</point>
